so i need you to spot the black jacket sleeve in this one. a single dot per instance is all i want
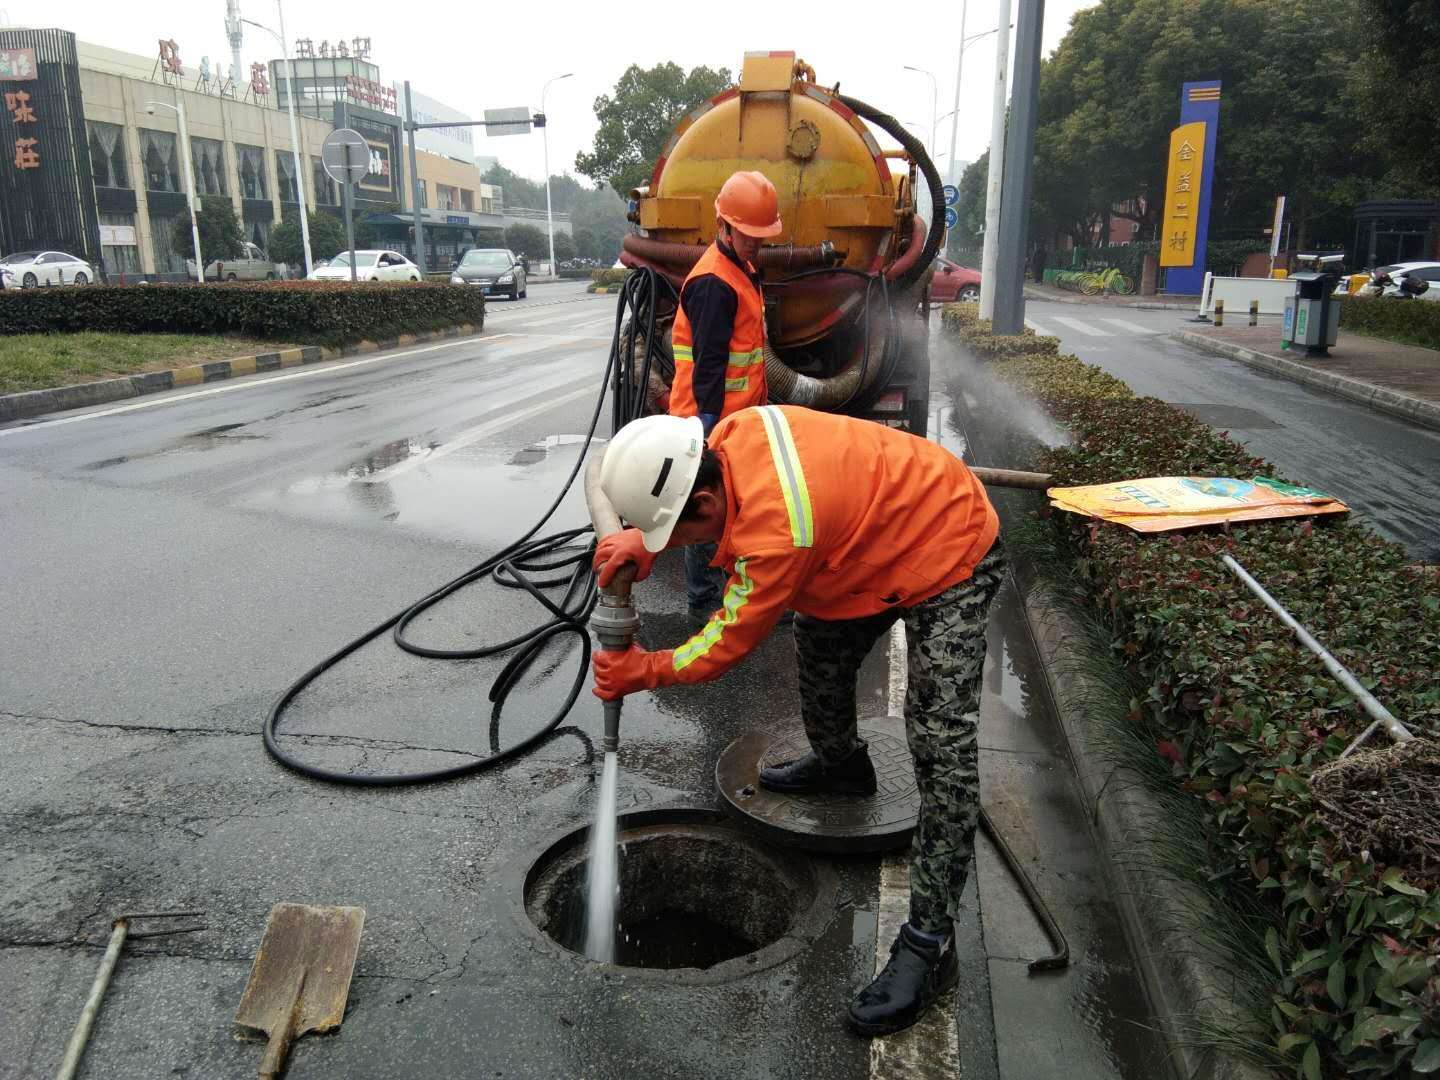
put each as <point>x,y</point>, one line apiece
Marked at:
<point>710,305</point>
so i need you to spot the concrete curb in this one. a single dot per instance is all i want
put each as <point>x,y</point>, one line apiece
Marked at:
<point>1406,406</point>
<point>1143,305</point>
<point>60,398</point>
<point>1180,984</point>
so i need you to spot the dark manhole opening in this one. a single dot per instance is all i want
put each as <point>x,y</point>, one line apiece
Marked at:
<point>699,898</point>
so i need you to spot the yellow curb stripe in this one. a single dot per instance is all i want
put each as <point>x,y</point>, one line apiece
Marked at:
<point>187,376</point>
<point>245,365</point>
<point>292,357</point>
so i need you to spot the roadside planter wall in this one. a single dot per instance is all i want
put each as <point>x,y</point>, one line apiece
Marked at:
<point>1247,715</point>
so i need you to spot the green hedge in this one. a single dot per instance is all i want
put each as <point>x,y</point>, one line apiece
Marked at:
<point>315,312</point>
<point>609,277</point>
<point>1414,322</point>
<point>1247,714</point>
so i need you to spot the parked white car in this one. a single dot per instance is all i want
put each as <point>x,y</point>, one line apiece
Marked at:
<point>29,269</point>
<point>376,265</point>
<point>253,265</point>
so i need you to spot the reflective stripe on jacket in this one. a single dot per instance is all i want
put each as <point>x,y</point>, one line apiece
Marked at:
<point>745,362</point>
<point>834,517</point>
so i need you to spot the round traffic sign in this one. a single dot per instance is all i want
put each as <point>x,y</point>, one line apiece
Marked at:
<point>951,217</point>
<point>952,194</point>
<point>345,155</point>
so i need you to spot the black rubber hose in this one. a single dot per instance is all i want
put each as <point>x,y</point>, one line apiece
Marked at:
<point>917,152</point>
<point>509,568</point>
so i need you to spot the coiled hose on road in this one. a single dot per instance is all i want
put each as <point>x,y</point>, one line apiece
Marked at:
<point>556,554</point>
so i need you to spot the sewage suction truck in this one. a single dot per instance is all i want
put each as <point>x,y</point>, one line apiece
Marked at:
<point>845,283</point>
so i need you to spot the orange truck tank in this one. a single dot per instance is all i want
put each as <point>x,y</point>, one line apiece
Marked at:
<point>846,281</point>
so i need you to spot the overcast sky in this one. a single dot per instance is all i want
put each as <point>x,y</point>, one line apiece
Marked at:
<point>478,56</point>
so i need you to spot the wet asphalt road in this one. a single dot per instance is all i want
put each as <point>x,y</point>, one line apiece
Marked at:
<point>1386,469</point>
<point>174,562</point>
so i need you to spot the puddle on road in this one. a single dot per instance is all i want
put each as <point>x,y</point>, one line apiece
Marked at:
<point>208,439</point>
<point>482,493</point>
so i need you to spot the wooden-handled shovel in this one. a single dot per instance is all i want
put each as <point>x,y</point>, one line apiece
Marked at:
<point>300,978</point>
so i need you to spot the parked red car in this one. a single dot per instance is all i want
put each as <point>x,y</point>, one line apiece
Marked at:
<point>954,282</point>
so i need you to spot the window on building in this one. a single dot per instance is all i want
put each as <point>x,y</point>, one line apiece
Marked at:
<point>160,161</point>
<point>424,195</point>
<point>252,172</point>
<point>285,176</point>
<point>326,193</point>
<point>467,199</point>
<point>122,257</point>
<point>260,234</point>
<point>162,236</point>
<point>208,160</point>
<point>107,155</point>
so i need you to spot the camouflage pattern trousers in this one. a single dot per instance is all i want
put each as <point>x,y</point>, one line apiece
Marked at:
<point>946,647</point>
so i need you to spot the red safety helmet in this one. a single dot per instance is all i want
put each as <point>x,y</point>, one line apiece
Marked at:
<point>749,203</point>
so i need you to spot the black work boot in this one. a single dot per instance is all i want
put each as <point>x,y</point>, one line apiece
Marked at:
<point>919,971</point>
<point>853,776</point>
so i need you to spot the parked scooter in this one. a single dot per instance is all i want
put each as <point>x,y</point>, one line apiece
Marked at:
<point>1406,287</point>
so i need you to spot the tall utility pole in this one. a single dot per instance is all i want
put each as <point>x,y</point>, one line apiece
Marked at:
<point>236,32</point>
<point>950,177</point>
<point>290,92</point>
<point>934,103</point>
<point>997,164</point>
<point>1009,303</point>
<point>545,140</point>
<point>414,183</point>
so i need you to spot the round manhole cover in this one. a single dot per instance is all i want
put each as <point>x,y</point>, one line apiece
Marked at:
<point>838,823</point>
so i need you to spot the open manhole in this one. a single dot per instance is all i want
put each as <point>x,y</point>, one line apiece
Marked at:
<point>700,901</point>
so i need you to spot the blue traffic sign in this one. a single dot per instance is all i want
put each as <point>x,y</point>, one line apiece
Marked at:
<point>952,194</point>
<point>951,217</point>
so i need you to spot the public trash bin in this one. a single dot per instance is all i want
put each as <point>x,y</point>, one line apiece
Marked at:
<point>1312,316</point>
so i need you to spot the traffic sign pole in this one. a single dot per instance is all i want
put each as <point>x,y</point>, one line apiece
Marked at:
<point>350,215</point>
<point>337,156</point>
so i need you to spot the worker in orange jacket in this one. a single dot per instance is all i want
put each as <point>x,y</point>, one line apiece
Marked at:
<point>719,340</point>
<point>852,525</point>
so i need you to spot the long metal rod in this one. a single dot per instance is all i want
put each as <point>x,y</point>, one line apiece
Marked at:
<point>1061,956</point>
<point>993,194</point>
<point>1377,712</point>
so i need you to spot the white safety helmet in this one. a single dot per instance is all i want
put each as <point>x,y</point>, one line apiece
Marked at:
<point>648,471</point>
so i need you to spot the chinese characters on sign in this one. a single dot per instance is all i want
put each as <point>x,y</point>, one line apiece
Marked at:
<point>367,92</point>
<point>17,65</point>
<point>170,59</point>
<point>259,81</point>
<point>355,49</point>
<point>1182,195</point>
<point>17,104</point>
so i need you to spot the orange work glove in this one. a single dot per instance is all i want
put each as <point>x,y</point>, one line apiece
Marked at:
<point>624,548</point>
<point>621,673</point>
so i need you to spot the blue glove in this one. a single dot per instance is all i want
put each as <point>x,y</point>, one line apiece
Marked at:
<point>709,419</point>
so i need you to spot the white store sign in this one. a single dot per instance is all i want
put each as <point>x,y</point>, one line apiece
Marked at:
<point>117,235</point>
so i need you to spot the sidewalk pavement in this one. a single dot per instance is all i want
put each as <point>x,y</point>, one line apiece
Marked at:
<point>1403,380</point>
<point>1160,302</point>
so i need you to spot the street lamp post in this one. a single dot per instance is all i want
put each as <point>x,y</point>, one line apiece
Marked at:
<point>545,141</point>
<point>179,110</point>
<point>294,128</point>
<point>934,102</point>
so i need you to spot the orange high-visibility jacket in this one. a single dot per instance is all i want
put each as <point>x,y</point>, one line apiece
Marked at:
<point>745,369</point>
<point>834,517</point>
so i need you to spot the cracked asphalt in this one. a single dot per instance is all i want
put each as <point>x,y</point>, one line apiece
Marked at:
<point>174,563</point>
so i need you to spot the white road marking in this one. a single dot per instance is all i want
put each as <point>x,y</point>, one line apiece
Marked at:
<point>1033,325</point>
<point>485,430</point>
<point>250,383</point>
<point>1134,328</point>
<point>1083,327</point>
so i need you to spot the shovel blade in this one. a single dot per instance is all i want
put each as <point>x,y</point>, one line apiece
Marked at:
<point>321,943</point>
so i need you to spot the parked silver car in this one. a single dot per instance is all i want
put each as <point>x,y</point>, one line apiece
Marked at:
<point>253,265</point>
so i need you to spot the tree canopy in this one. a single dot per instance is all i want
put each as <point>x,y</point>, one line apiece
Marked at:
<point>327,238</point>
<point>637,119</point>
<point>220,235</point>
<point>1294,116</point>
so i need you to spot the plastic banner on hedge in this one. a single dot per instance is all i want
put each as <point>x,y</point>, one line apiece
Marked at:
<point>1163,503</point>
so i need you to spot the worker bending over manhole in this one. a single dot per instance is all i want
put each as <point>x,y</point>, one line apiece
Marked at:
<point>852,525</point>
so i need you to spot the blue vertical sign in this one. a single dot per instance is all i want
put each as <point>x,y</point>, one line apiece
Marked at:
<point>1199,101</point>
